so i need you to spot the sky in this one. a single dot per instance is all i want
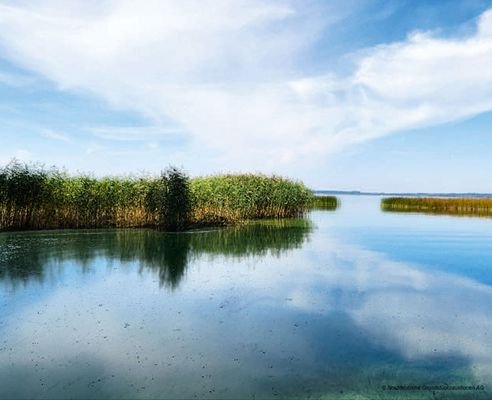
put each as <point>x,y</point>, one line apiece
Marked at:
<point>365,95</point>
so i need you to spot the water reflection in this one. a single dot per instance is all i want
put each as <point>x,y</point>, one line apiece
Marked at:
<point>25,256</point>
<point>479,213</point>
<point>332,319</point>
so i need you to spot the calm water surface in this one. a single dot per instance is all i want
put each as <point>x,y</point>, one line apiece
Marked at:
<point>348,303</point>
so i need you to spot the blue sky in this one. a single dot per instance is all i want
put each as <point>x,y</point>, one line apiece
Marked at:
<point>354,94</point>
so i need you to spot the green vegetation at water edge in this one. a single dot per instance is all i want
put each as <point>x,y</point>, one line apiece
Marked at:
<point>433,205</point>
<point>33,197</point>
<point>232,198</point>
<point>325,203</point>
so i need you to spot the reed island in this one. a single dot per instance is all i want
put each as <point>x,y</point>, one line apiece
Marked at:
<point>35,197</point>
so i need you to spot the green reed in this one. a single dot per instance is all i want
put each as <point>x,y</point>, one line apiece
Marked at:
<point>33,197</point>
<point>325,202</point>
<point>434,205</point>
<point>224,199</point>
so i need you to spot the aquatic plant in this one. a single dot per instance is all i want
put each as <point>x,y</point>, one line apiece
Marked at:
<point>324,202</point>
<point>177,200</point>
<point>33,197</point>
<point>435,205</point>
<point>224,199</point>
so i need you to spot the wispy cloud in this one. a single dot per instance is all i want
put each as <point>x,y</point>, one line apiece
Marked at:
<point>230,74</point>
<point>93,148</point>
<point>53,135</point>
<point>135,133</point>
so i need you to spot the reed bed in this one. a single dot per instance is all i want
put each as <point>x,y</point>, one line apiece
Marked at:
<point>432,205</point>
<point>33,197</point>
<point>324,203</point>
<point>225,199</point>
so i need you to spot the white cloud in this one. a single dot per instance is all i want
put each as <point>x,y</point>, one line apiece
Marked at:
<point>134,133</point>
<point>229,73</point>
<point>19,155</point>
<point>93,148</point>
<point>54,135</point>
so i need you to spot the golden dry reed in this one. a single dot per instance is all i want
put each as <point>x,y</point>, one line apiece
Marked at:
<point>33,197</point>
<point>436,205</point>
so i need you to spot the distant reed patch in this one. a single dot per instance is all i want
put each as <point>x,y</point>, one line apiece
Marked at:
<point>432,205</point>
<point>325,203</point>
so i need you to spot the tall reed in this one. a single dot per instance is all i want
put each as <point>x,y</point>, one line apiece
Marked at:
<point>224,199</point>
<point>33,197</point>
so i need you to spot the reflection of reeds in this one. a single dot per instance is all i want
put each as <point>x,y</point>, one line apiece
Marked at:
<point>431,205</point>
<point>32,197</point>
<point>253,238</point>
<point>325,203</point>
<point>25,255</point>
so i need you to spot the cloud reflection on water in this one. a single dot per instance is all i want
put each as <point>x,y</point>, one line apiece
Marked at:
<point>247,317</point>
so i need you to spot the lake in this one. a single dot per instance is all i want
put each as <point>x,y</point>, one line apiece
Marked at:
<point>348,302</point>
